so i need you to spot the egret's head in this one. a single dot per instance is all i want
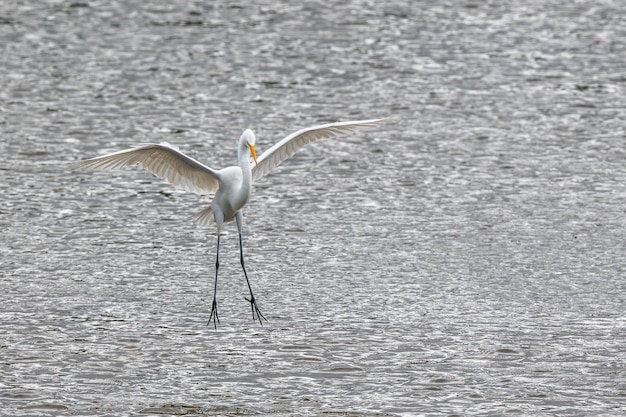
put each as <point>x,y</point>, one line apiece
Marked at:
<point>249,139</point>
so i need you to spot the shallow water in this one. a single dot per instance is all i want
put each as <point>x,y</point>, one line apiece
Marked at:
<point>465,259</point>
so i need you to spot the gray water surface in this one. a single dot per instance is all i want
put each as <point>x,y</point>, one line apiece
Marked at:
<point>467,258</point>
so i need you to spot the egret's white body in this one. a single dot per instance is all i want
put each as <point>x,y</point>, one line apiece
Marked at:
<point>232,185</point>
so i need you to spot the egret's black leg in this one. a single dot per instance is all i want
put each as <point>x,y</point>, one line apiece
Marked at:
<point>251,300</point>
<point>214,315</point>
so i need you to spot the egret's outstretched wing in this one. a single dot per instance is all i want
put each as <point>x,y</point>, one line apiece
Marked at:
<point>275,155</point>
<point>163,160</point>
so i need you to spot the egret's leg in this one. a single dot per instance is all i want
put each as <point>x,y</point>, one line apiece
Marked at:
<point>251,300</point>
<point>214,315</point>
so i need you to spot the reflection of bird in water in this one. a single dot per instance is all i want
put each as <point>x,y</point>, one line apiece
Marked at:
<point>231,185</point>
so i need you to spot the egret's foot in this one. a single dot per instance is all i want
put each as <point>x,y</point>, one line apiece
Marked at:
<point>255,310</point>
<point>213,315</point>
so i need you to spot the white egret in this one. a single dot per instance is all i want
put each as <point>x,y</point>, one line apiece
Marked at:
<point>231,185</point>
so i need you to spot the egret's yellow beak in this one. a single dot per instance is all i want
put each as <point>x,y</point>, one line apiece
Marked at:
<point>253,152</point>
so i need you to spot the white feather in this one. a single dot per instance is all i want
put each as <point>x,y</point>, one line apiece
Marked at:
<point>163,160</point>
<point>284,149</point>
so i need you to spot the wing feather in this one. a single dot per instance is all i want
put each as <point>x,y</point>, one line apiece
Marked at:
<point>163,160</point>
<point>285,148</point>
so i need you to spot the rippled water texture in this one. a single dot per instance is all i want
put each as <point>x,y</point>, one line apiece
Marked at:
<point>465,259</point>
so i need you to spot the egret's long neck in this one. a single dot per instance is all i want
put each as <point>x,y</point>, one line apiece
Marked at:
<point>243,154</point>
